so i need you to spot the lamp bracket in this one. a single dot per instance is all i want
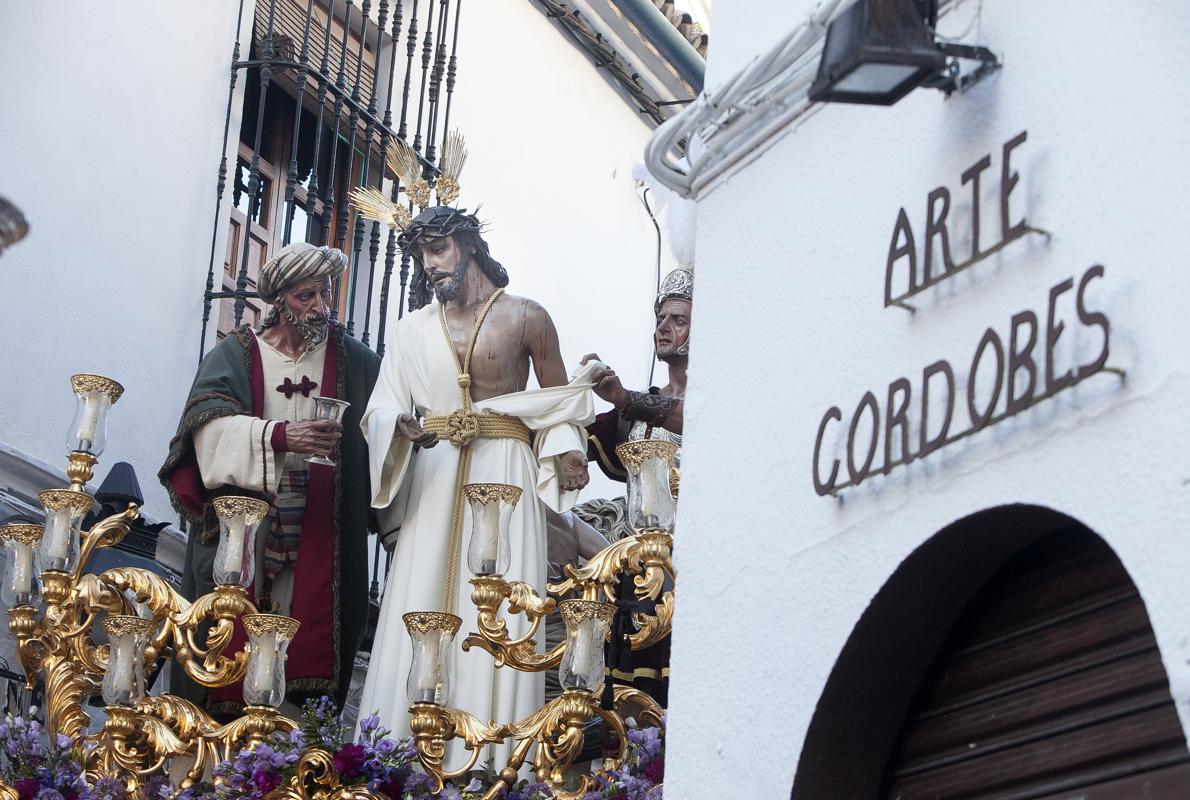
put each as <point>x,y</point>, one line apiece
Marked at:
<point>950,78</point>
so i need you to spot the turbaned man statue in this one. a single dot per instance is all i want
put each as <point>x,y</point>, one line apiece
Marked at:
<point>246,430</point>
<point>468,353</point>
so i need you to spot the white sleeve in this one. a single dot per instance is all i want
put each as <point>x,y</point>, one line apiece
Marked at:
<point>237,451</point>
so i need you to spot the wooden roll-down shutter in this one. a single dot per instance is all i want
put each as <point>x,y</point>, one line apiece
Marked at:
<point>1050,686</point>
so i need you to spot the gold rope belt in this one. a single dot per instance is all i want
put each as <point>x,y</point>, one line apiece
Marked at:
<point>463,427</point>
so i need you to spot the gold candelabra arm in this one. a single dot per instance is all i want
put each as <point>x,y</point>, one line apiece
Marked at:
<point>31,650</point>
<point>433,726</point>
<point>487,594</point>
<point>105,533</point>
<point>67,688</point>
<point>645,555</point>
<point>317,779</point>
<point>557,728</point>
<point>207,664</point>
<point>652,628</point>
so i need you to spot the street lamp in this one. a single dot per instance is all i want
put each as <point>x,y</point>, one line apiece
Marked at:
<point>877,51</point>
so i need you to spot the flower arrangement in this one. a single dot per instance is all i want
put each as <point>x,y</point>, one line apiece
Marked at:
<point>39,768</point>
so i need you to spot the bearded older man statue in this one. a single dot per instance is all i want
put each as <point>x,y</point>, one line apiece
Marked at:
<point>247,429</point>
<point>468,355</point>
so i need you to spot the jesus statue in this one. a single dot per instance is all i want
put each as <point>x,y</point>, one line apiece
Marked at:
<point>469,353</point>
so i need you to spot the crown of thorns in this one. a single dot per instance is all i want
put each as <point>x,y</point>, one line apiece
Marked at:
<point>406,167</point>
<point>438,222</point>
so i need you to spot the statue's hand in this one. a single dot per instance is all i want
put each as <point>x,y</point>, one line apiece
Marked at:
<point>608,387</point>
<point>573,469</point>
<point>313,437</point>
<point>410,428</point>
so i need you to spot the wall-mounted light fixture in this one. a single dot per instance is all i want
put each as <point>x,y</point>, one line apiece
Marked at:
<point>878,51</point>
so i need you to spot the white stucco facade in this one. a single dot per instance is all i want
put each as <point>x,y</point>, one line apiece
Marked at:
<point>112,122</point>
<point>792,253</point>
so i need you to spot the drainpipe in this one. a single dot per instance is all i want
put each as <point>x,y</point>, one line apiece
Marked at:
<point>660,32</point>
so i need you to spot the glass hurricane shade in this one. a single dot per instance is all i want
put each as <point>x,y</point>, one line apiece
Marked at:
<point>587,624</point>
<point>489,552</point>
<point>19,585</point>
<point>269,636</point>
<point>95,395</point>
<point>433,636</point>
<point>124,679</point>
<point>235,558</point>
<point>649,462</point>
<point>64,512</point>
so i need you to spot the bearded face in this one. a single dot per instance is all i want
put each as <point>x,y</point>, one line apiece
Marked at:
<point>305,306</point>
<point>446,266</point>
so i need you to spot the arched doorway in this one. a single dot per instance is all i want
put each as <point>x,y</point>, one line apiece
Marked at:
<point>1016,661</point>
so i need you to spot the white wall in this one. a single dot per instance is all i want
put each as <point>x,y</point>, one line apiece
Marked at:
<point>111,115</point>
<point>552,147</point>
<point>791,267</point>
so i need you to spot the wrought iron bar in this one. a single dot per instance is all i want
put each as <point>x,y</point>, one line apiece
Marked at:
<point>328,202</point>
<point>436,80</point>
<point>320,100</point>
<point>451,71</point>
<point>374,238</point>
<point>426,52</point>
<point>220,185</point>
<point>303,72</point>
<point>266,76</point>
<point>344,211</point>
<point>390,250</point>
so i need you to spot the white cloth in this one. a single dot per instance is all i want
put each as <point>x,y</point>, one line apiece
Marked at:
<point>230,452</point>
<point>418,376</point>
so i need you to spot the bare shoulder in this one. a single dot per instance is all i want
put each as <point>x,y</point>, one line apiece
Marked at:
<point>533,313</point>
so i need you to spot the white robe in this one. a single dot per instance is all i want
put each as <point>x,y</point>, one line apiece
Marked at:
<point>419,375</point>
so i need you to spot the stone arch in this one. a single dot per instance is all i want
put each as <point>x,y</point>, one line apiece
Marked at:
<point>888,660</point>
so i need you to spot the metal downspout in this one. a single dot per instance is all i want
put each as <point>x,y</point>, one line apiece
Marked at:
<point>660,32</point>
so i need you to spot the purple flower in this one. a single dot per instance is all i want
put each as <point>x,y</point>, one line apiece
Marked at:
<point>350,760</point>
<point>265,782</point>
<point>655,770</point>
<point>27,788</point>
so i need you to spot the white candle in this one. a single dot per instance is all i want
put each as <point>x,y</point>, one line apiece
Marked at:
<point>581,663</point>
<point>431,676</point>
<point>233,554</point>
<point>650,501</point>
<point>262,663</point>
<point>22,568</point>
<point>57,534</point>
<point>491,532</point>
<point>91,405</point>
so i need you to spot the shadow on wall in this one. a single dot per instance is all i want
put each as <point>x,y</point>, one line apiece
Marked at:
<point>1015,659</point>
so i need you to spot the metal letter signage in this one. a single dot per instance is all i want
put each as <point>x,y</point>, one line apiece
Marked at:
<point>1018,363</point>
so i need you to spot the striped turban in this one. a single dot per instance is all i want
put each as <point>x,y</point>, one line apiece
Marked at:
<point>299,262</point>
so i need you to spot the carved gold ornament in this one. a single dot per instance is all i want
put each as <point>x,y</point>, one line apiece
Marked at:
<point>492,492</point>
<point>426,621</point>
<point>634,454</point>
<point>260,624</point>
<point>228,507</point>
<point>123,624</point>
<point>58,499</point>
<point>22,533</point>
<point>85,382</point>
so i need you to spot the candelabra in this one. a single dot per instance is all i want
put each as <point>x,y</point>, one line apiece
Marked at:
<point>57,625</point>
<point>589,591</point>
